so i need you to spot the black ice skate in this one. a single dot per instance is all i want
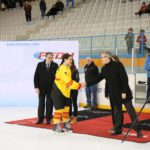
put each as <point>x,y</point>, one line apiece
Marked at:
<point>67,127</point>
<point>57,128</point>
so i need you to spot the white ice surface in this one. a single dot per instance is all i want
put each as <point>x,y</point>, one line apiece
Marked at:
<point>15,137</point>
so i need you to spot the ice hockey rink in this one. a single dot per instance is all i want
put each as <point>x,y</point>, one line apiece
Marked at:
<point>18,81</point>
<point>16,137</point>
<point>86,30</point>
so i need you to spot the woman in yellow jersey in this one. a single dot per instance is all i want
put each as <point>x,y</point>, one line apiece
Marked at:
<point>62,87</point>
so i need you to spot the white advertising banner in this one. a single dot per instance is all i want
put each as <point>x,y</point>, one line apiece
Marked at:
<point>17,66</point>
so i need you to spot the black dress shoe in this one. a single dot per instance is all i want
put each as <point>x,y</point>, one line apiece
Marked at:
<point>116,132</point>
<point>39,122</point>
<point>139,134</point>
<point>48,121</point>
<point>148,101</point>
<point>141,82</point>
<point>88,106</point>
<point>94,108</point>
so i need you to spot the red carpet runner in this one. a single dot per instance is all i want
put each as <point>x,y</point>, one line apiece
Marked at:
<point>96,127</point>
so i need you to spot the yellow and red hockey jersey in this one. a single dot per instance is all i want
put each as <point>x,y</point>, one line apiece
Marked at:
<point>64,82</point>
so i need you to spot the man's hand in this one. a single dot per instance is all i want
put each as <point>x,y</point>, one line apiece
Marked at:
<point>37,91</point>
<point>124,95</point>
<point>82,85</point>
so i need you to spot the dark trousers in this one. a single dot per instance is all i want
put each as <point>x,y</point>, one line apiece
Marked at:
<point>129,48</point>
<point>140,13</point>
<point>59,100</point>
<point>148,87</point>
<point>28,17</point>
<point>73,99</point>
<point>72,1</point>
<point>118,115</point>
<point>113,115</point>
<point>91,94</point>
<point>43,12</point>
<point>41,107</point>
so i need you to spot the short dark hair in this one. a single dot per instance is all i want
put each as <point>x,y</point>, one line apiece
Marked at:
<point>131,29</point>
<point>49,53</point>
<point>142,30</point>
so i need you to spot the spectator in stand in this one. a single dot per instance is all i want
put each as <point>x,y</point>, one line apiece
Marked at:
<point>59,5</point>
<point>142,10</point>
<point>129,38</point>
<point>3,6</point>
<point>42,5</point>
<point>52,12</point>
<point>72,1</point>
<point>7,3</point>
<point>27,9</point>
<point>11,3</point>
<point>142,39</point>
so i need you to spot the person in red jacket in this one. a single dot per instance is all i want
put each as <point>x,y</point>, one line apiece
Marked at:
<point>142,10</point>
<point>142,39</point>
<point>27,9</point>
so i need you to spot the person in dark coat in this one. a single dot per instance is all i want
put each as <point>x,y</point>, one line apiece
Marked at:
<point>27,9</point>
<point>42,5</point>
<point>142,10</point>
<point>43,80</point>
<point>52,12</point>
<point>59,5</point>
<point>114,58</point>
<point>91,70</point>
<point>74,95</point>
<point>119,91</point>
<point>129,38</point>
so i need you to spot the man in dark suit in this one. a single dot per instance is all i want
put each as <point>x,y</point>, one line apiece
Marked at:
<point>43,80</point>
<point>119,91</point>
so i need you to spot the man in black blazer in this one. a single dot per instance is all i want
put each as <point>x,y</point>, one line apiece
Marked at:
<point>43,80</point>
<point>119,91</point>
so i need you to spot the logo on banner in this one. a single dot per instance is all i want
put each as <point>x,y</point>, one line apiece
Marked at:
<point>56,55</point>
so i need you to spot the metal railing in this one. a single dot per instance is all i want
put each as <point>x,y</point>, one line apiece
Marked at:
<point>116,44</point>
